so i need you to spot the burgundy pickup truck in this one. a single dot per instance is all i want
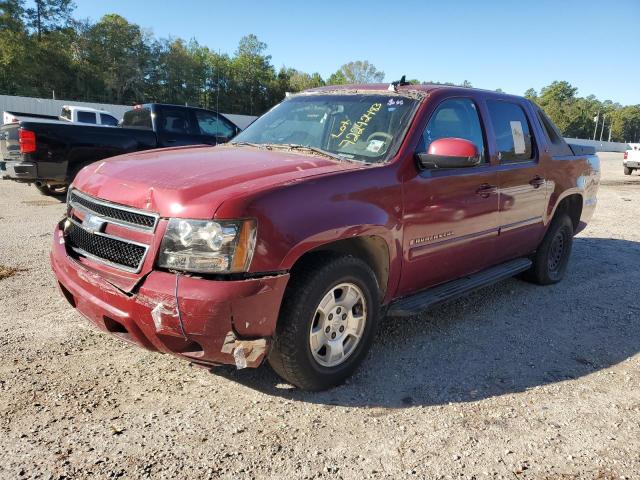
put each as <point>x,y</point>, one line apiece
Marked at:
<point>337,206</point>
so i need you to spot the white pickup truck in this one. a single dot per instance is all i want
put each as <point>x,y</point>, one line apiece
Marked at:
<point>631,160</point>
<point>69,113</point>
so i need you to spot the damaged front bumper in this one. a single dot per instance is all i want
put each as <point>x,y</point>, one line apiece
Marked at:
<point>209,322</point>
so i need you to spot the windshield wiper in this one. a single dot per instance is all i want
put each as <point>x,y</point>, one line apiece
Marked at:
<point>249,144</point>
<point>319,151</point>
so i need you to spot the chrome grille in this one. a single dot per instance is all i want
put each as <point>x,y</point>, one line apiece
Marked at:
<point>104,248</point>
<point>113,213</point>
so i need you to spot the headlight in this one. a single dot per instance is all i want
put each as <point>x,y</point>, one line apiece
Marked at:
<point>208,247</point>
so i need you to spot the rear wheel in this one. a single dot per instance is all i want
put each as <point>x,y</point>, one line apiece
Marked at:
<point>327,323</point>
<point>627,170</point>
<point>552,257</point>
<point>52,190</point>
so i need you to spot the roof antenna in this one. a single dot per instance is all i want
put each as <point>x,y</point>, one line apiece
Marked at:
<point>218,98</point>
<point>393,86</point>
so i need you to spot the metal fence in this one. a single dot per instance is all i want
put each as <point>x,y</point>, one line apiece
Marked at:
<point>600,146</point>
<point>46,106</point>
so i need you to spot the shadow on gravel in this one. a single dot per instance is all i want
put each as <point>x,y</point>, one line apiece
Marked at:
<point>507,338</point>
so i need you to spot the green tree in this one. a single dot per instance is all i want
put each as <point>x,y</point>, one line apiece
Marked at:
<point>559,102</point>
<point>252,73</point>
<point>119,53</point>
<point>337,78</point>
<point>48,15</point>
<point>356,72</point>
<point>178,76</point>
<point>11,13</point>
<point>625,124</point>
<point>299,81</point>
<point>13,47</point>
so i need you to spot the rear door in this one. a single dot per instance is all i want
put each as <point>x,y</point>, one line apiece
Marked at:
<point>450,215</point>
<point>521,182</point>
<point>176,126</point>
<point>87,117</point>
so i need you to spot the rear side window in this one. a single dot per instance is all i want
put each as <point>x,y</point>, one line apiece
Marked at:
<point>557,145</point>
<point>108,120</point>
<point>137,118</point>
<point>87,117</point>
<point>513,134</point>
<point>66,113</point>
<point>454,118</point>
<point>177,120</point>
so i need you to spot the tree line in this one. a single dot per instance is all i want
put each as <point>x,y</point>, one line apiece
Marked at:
<point>45,50</point>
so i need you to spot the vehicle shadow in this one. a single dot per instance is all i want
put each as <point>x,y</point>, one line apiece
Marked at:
<point>503,339</point>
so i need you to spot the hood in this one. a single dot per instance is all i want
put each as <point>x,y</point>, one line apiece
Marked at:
<point>192,182</point>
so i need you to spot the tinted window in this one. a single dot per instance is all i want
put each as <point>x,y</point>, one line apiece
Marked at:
<point>212,124</point>
<point>177,120</point>
<point>86,117</point>
<point>137,118</point>
<point>66,113</point>
<point>108,120</point>
<point>511,127</point>
<point>454,118</point>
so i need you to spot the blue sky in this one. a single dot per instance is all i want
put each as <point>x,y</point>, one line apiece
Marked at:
<point>512,45</point>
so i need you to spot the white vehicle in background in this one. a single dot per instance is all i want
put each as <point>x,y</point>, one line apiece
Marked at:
<point>88,115</point>
<point>69,113</point>
<point>631,160</point>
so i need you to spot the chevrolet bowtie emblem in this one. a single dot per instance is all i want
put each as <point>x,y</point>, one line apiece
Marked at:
<point>92,223</point>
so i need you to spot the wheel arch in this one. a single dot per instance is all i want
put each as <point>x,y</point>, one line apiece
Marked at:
<point>572,205</point>
<point>372,249</point>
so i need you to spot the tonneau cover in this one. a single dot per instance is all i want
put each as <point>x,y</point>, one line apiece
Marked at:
<point>581,150</point>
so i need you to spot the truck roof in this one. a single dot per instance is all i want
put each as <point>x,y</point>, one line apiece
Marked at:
<point>154,104</point>
<point>421,89</point>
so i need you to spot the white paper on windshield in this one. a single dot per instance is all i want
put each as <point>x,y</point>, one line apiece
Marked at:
<point>518,137</point>
<point>375,145</point>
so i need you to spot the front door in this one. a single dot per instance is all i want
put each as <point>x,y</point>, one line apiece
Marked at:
<point>521,181</point>
<point>450,216</point>
<point>212,128</point>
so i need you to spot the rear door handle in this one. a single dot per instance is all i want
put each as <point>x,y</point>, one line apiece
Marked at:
<point>537,181</point>
<point>485,190</point>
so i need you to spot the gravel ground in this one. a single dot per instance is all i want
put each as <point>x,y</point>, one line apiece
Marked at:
<point>514,381</point>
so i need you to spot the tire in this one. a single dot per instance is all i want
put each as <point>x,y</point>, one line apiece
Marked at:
<point>326,279</point>
<point>627,170</point>
<point>52,190</point>
<point>552,257</point>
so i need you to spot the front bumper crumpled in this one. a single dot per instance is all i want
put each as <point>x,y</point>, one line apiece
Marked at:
<point>209,322</point>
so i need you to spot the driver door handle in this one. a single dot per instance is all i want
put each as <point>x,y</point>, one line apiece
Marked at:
<point>537,181</point>
<point>485,190</point>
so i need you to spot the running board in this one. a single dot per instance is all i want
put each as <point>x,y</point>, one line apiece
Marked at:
<point>425,299</point>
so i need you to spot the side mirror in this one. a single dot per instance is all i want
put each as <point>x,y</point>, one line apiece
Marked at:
<point>450,153</point>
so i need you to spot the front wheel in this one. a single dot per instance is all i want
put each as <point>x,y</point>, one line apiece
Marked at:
<point>327,322</point>
<point>552,257</point>
<point>52,190</point>
<point>627,170</point>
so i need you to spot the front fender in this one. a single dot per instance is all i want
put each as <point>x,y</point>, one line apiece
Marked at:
<point>296,218</point>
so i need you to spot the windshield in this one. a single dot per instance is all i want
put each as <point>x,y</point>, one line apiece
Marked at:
<point>361,127</point>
